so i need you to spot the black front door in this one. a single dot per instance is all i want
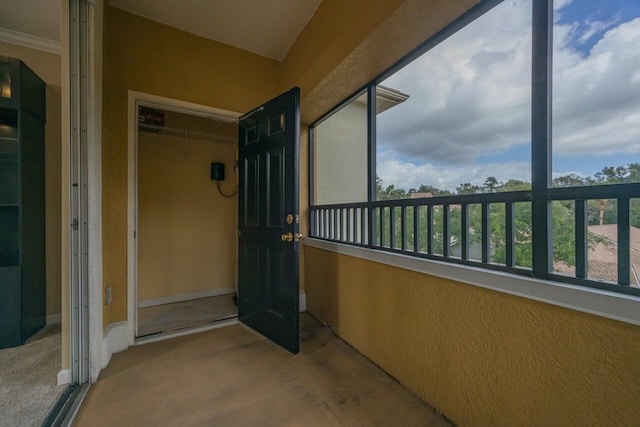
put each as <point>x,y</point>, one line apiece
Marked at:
<point>268,219</point>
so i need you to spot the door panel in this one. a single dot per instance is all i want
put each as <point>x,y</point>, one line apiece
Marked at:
<point>251,191</point>
<point>275,188</point>
<point>268,287</point>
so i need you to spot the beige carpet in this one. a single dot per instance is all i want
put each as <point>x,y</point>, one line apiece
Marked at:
<point>28,389</point>
<point>185,314</point>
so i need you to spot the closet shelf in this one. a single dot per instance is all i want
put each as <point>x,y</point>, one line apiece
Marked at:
<point>185,133</point>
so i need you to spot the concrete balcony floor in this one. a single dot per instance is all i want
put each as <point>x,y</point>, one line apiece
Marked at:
<point>234,377</point>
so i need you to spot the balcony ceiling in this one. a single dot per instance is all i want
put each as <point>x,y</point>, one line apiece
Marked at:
<point>267,27</point>
<point>40,18</point>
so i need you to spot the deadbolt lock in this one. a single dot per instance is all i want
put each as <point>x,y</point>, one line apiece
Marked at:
<point>290,219</point>
<point>287,237</point>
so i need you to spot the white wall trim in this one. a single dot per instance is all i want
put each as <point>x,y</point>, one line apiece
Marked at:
<point>30,41</point>
<point>185,297</point>
<point>64,377</point>
<point>53,319</point>
<point>94,174</point>
<point>613,305</point>
<point>302,304</point>
<point>135,98</point>
<point>132,207</point>
<point>115,340</point>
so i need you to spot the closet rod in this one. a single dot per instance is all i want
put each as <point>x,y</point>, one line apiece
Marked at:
<point>187,133</point>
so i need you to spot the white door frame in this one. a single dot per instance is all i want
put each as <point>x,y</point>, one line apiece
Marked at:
<point>134,99</point>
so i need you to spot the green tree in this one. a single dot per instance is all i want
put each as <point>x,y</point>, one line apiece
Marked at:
<point>467,188</point>
<point>612,175</point>
<point>571,180</point>
<point>633,172</point>
<point>433,190</point>
<point>563,215</point>
<point>515,185</point>
<point>491,185</point>
<point>390,192</point>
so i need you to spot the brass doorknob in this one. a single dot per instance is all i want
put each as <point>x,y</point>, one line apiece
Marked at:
<point>287,237</point>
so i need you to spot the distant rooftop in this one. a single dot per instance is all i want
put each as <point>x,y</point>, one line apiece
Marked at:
<point>603,258</point>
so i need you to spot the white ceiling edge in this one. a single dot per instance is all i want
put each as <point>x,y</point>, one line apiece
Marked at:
<point>30,41</point>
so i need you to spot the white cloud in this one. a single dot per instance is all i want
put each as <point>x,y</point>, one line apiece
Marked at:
<point>561,4</point>
<point>594,28</point>
<point>597,97</point>
<point>470,96</point>
<point>407,174</point>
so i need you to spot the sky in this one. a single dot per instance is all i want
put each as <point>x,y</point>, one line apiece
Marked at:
<point>469,108</point>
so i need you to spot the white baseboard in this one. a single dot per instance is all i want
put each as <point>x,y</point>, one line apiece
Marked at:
<point>53,319</point>
<point>115,340</point>
<point>64,377</point>
<point>185,297</point>
<point>302,302</point>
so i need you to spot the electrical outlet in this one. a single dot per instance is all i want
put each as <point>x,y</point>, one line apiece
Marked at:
<point>107,295</point>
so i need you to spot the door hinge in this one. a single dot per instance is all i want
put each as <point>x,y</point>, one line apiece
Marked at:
<point>74,224</point>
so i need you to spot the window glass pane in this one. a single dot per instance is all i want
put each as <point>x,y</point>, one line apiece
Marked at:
<point>438,230</point>
<point>475,232</point>
<point>602,239</point>
<point>498,234</point>
<point>634,238</point>
<point>455,231</point>
<point>523,256</point>
<point>340,155</point>
<point>457,119</point>
<point>596,92</point>
<point>564,237</point>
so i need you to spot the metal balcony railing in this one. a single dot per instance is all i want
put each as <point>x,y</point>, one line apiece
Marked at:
<point>463,229</point>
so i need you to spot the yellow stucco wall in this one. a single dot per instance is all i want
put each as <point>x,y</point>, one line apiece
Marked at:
<point>47,67</point>
<point>481,357</point>
<point>149,57</point>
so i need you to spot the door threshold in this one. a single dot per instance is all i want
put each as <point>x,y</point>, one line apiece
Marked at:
<point>187,331</point>
<point>70,406</point>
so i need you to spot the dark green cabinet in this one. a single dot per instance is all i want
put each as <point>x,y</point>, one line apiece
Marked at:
<point>22,203</point>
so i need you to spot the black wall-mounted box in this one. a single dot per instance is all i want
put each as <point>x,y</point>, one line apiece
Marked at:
<point>217,171</point>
